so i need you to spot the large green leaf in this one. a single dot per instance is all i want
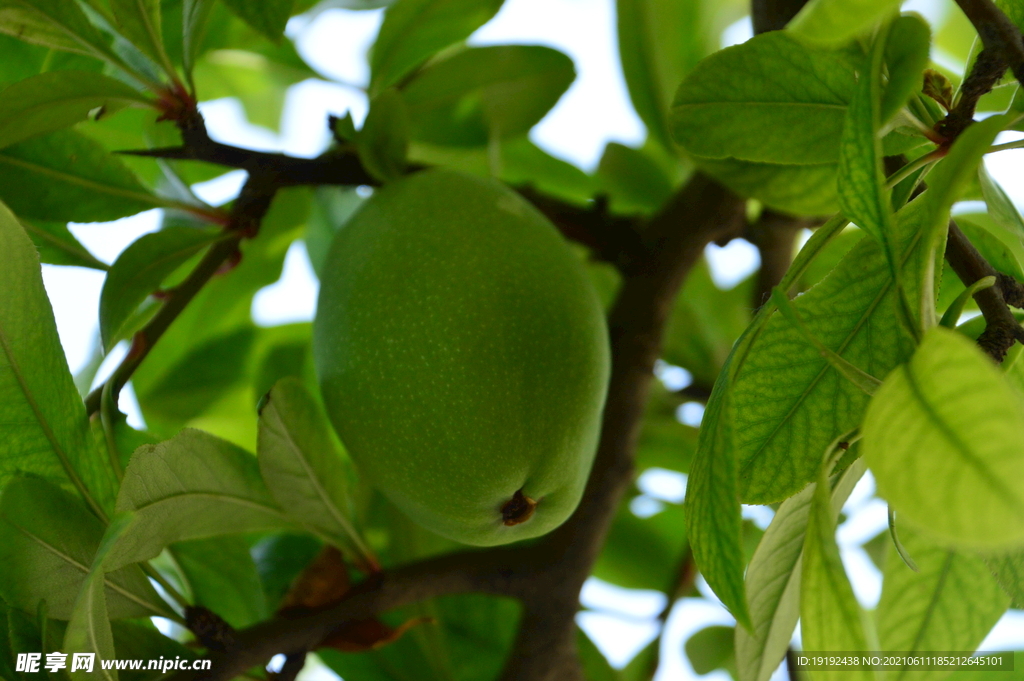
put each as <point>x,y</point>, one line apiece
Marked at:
<point>863,196</point>
<point>832,23</point>
<point>1008,569</point>
<point>713,521</point>
<point>796,189</point>
<point>266,16</point>
<point>58,99</point>
<point>831,619</point>
<point>773,580</point>
<point>89,626</point>
<point>66,176</point>
<point>140,269</point>
<point>383,141</point>
<point>305,468</point>
<point>221,576</point>
<point>46,432</point>
<point>48,540</point>
<point>942,437</point>
<point>906,56</point>
<point>950,603</point>
<point>58,246</point>
<point>139,22</point>
<point>658,43</point>
<point>660,539</point>
<point>194,20</point>
<point>769,100</point>
<point>484,93</point>
<point>633,179</point>
<point>190,487</point>
<point>790,403</point>
<point>57,24</point>
<point>414,30</point>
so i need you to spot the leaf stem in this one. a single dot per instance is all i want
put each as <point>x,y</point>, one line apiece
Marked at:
<point>909,169</point>
<point>168,588</point>
<point>107,410</point>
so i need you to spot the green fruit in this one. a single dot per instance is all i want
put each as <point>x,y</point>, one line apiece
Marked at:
<point>463,357</point>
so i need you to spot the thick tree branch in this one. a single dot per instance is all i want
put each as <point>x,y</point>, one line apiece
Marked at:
<point>702,212</point>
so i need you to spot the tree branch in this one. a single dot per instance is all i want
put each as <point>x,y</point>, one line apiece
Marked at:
<point>1003,48</point>
<point>1001,328</point>
<point>246,214</point>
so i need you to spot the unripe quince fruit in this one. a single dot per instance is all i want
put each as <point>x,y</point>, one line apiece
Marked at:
<point>463,357</point>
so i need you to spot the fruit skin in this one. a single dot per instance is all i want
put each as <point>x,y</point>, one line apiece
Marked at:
<point>463,356</point>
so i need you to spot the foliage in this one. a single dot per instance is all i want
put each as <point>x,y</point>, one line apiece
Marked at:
<point>224,499</point>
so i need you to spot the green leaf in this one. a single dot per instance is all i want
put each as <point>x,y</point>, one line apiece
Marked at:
<point>305,467</point>
<point>595,664</point>
<point>1001,209</point>
<point>89,627</point>
<point>139,271</point>
<point>58,246</point>
<point>383,141</point>
<point>712,648</point>
<point>46,432</point>
<point>1008,569</point>
<point>830,616</point>
<point>769,99</point>
<point>66,176</point>
<point>48,540</point>
<point>795,189</point>
<point>774,576</point>
<point>221,576</point>
<point>1003,249</point>
<point>927,610</point>
<point>713,521</point>
<point>660,539</point>
<point>201,378</point>
<point>58,99</point>
<point>195,18</point>
<point>863,196</point>
<point>486,93</point>
<point>941,437</point>
<point>633,180</point>
<point>279,559</point>
<point>414,30</point>
<point>659,42</point>
<point>906,56</point>
<point>832,23</point>
<point>266,16</point>
<point>57,24</point>
<point>260,81</point>
<point>192,486</point>
<point>790,403</point>
<point>139,22</point>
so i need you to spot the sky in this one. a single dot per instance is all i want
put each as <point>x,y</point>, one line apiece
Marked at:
<point>593,112</point>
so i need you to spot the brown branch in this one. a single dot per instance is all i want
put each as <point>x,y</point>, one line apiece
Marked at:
<point>1001,327</point>
<point>775,235</point>
<point>246,214</point>
<point>701,213</point>
<point>773,15</point>
<point>1003,48</point>
<point>612,239</point>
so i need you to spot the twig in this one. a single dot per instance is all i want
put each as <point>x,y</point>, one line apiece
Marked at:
<point>1001,327</point>
<point>1003,48</point>
<point>246,214</point>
